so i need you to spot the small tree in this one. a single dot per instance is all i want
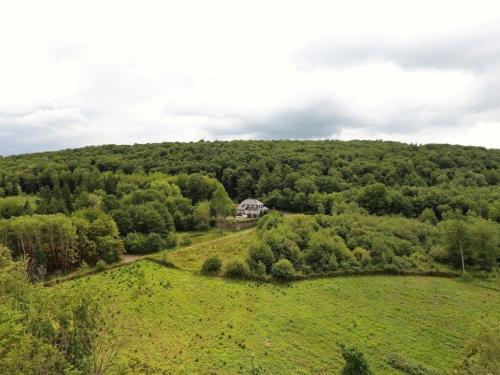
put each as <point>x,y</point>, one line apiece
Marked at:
<point>355,362</point>
<point>237,269</point>
<point>212,265</point>
<point>283,270</point>
<point>456,240</point>
<point>5,256</point>
<point>260,253</point>
<point>221,206</point>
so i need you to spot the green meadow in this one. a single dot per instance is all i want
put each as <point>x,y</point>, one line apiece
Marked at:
<point>174,321</point>
<point>227,246</point>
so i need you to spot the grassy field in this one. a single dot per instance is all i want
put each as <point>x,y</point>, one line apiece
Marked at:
<point>174,321</point>
<point>228,247</point>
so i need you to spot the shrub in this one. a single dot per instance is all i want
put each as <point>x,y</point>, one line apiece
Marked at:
<point>401,263</point>
<point>212,265</point>
<point>260,253</point>
<point>355,362</point>
<point>110,248</point>
<point>258,269</point>
<point>154,242</point>
<point>283,270</point>
<point>100,265</point>
<point>135,242</point>
<point>5,256</point>
<point>140,243</point>
<point>399,363</point>
<point>237,269</point>
<point>362,255</point>
<point>172,240</point>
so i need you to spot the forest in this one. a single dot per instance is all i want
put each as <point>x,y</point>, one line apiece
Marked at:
<point>336,209</point>
<point>60,209</point>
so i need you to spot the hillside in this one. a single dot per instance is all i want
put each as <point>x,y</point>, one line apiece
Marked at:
<point>210,325</point>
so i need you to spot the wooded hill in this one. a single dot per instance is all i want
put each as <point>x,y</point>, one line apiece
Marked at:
<point>86,204</point>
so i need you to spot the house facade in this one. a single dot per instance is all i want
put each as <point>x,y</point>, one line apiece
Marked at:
<point>251,208</point>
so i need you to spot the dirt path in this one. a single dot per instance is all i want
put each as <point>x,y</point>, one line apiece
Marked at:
<point>129,258</point>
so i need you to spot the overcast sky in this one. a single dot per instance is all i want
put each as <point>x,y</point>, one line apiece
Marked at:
<point>75,73</point>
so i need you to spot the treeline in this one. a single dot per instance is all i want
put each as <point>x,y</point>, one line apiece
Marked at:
<point>302,245</point>
<point>289,175</point>
<point>152,191</point>
<point>65,227</point>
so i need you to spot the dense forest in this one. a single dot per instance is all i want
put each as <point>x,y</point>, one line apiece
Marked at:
<point>60,209</point>
<point>337,208</point>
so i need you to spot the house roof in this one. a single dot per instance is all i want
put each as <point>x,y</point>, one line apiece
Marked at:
<point>251,202</point>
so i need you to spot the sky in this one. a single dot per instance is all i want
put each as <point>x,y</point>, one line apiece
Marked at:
<point>77,73</point>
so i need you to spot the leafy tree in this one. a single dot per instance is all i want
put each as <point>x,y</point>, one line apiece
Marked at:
<point>222,206</point>
<point>482,355</point>
<point>5,256</point>
<point>375,198</point>
<point>201,215</point>
<point>259,254</point>
<point>456,241</point>
<point>355,361</point>
<point>283,270</point>
<point>236,269</point>
<point>212,265</point>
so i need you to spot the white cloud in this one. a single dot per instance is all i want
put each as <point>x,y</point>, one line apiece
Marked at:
<point>92,72</point>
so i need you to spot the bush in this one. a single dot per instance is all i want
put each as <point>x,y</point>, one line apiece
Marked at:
<point>237,269</point>
<point>5,256</point>
<point>260,253</point>
<point>100,265</point>
<point>259,270</point>
<point>154,242</point>
<point>399,363</point>
<point>212,265</point>
<point>110,248</point>
<point>135,242</point>
<point>283,270</point>
<point>172,240</point>
<point>355,362</point>
<point>140,243</point>
<point>362,255</point>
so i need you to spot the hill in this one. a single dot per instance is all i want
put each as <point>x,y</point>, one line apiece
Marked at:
<point>211,325</point>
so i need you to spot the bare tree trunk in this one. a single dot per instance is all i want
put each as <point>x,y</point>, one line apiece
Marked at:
<point>461,255</point>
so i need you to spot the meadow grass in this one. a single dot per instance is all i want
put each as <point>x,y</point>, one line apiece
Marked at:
<point>228,246</point>
<point>172,321</point>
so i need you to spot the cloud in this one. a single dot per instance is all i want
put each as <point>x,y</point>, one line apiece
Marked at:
<point>473,50</point>
<point>420,72</point>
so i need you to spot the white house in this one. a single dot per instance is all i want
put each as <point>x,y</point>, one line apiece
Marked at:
<point>251,208</point>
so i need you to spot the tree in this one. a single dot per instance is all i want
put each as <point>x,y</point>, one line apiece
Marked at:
<point>212,265</point>
<point>222,206</point>
<point>236,269</point>
<point>456,241</point>
<point>5,256</point>
<point>355,361</point>
<point>201,215</point>
<point>375,198</point>
<point>283,270</point>
<point>259,254</point>
<point>484,243</point>
<point>483,352</point>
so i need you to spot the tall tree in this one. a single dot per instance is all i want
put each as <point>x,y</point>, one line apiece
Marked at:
<point>221,206</point>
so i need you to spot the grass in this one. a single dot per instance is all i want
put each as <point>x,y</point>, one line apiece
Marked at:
<point>211,325</point>
<point>231,245</point>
